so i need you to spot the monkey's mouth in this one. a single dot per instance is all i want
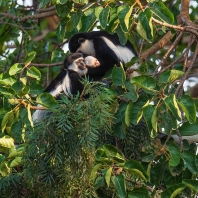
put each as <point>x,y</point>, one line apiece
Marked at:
<point>82,67</point>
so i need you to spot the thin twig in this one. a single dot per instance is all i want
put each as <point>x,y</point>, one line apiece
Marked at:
<point>44,65</point>
<point>188,71</point>
<point>180,140</point>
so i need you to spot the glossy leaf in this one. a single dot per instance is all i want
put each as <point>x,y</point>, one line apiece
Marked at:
<point>123,13</point>
<point>170,76</point>
<point>188,129</point>
<point>98,10</point>
<point>174,153</point>
<point>87,22</point>
<point>103,17</point>
<point>81,1</point>
<point>144,26</point>
<point>172,105</point>
<point>47,100</point>
<point>145,82</point>
<point>7,121</point>
<point>15,69</point>
<point>121,34</point>
<point>108,176</point>
<point>172,191</point>
<point>118,76</point>
<point>63,10</point>
<point>30,57</point>
<point>16,162</point>
<point>94,171</point>
<point>119,183</point>
<point>34,73</point>
<point>135,168</point>
<point>7,142</point>
<point>161,11</point>
<point>128,113</point>
<point>189,160</point>
<point>188,106</point>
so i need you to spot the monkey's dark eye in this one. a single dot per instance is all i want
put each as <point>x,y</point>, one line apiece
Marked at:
<point>81,40</point>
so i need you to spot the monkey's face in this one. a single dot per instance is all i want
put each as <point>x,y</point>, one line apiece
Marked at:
<point>86,46</point>
<point>79,66</point>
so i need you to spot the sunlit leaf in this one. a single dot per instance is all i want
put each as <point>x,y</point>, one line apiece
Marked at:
<point>15,69</point>
<point>144,26</point>
<point>172,105</point>
<point>34,73</point>
<point>108,176</point>
<point>170,76</point>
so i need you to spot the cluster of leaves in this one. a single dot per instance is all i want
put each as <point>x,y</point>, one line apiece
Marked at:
<point>57,156</point>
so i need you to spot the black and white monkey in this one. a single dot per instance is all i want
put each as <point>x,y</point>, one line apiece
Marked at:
<point>68,80</point>
<point>105,47</point>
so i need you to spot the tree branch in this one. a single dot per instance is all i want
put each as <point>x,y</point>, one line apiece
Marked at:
<point>160,44</point>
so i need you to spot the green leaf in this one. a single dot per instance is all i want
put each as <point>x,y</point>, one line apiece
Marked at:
<point>144,26</point>
<point>16,162</point>
<point>123,13</point>
<point>4,169</point>
<point>63,10</point>
<point>161,11</point>
<point>120,33</point>
<point>14,153</point>
<point>120,130</point>
<point>172,191</point>
<point>154,120</point>
<point>46,100</point>
<point>75,18</point>
<point>132,94</point>
<point>61,29</point>
<point>30,57</point>
<point>61,1</point>
<point>34,73</point>
<point>188,129</point>
<point>172,105</point>
<point>147,112</point>
<point>135,168</point>
<point>112,151</point>
<point>118,76</point>
<point>137,110</point>
<point>82,2</point>
<point>108,176</point>
<point>7,91</point>
<point>98,10</point>
<point>145,82</point>
<point>103,17</point>
<point>94,171</point>
<point>87,22</point>
<point>128,113</point>
<point>6,79</point>
<point>7,121</point>
<point>192,184</point>
<point>119,183</point>
<point>7,142</point>
<point>138,193</point>
<point>170,76</point>
<point>57,55</point>
<point>188,106</point>
<point>174,153</point>
<point>15,69</point>
<point>189,160</point>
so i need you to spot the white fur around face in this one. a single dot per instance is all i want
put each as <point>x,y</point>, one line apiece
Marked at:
<point>75,68</point>
<point>87,47</point>
<point>123,53</point>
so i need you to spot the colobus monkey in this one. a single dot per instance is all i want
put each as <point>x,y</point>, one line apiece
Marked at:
<point>68,80</point>
<point>105,47</point>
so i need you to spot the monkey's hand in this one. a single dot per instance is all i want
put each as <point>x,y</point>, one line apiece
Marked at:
<point>91,61</point>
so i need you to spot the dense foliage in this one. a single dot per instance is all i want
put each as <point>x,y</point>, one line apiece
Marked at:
<point>103,142</point>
